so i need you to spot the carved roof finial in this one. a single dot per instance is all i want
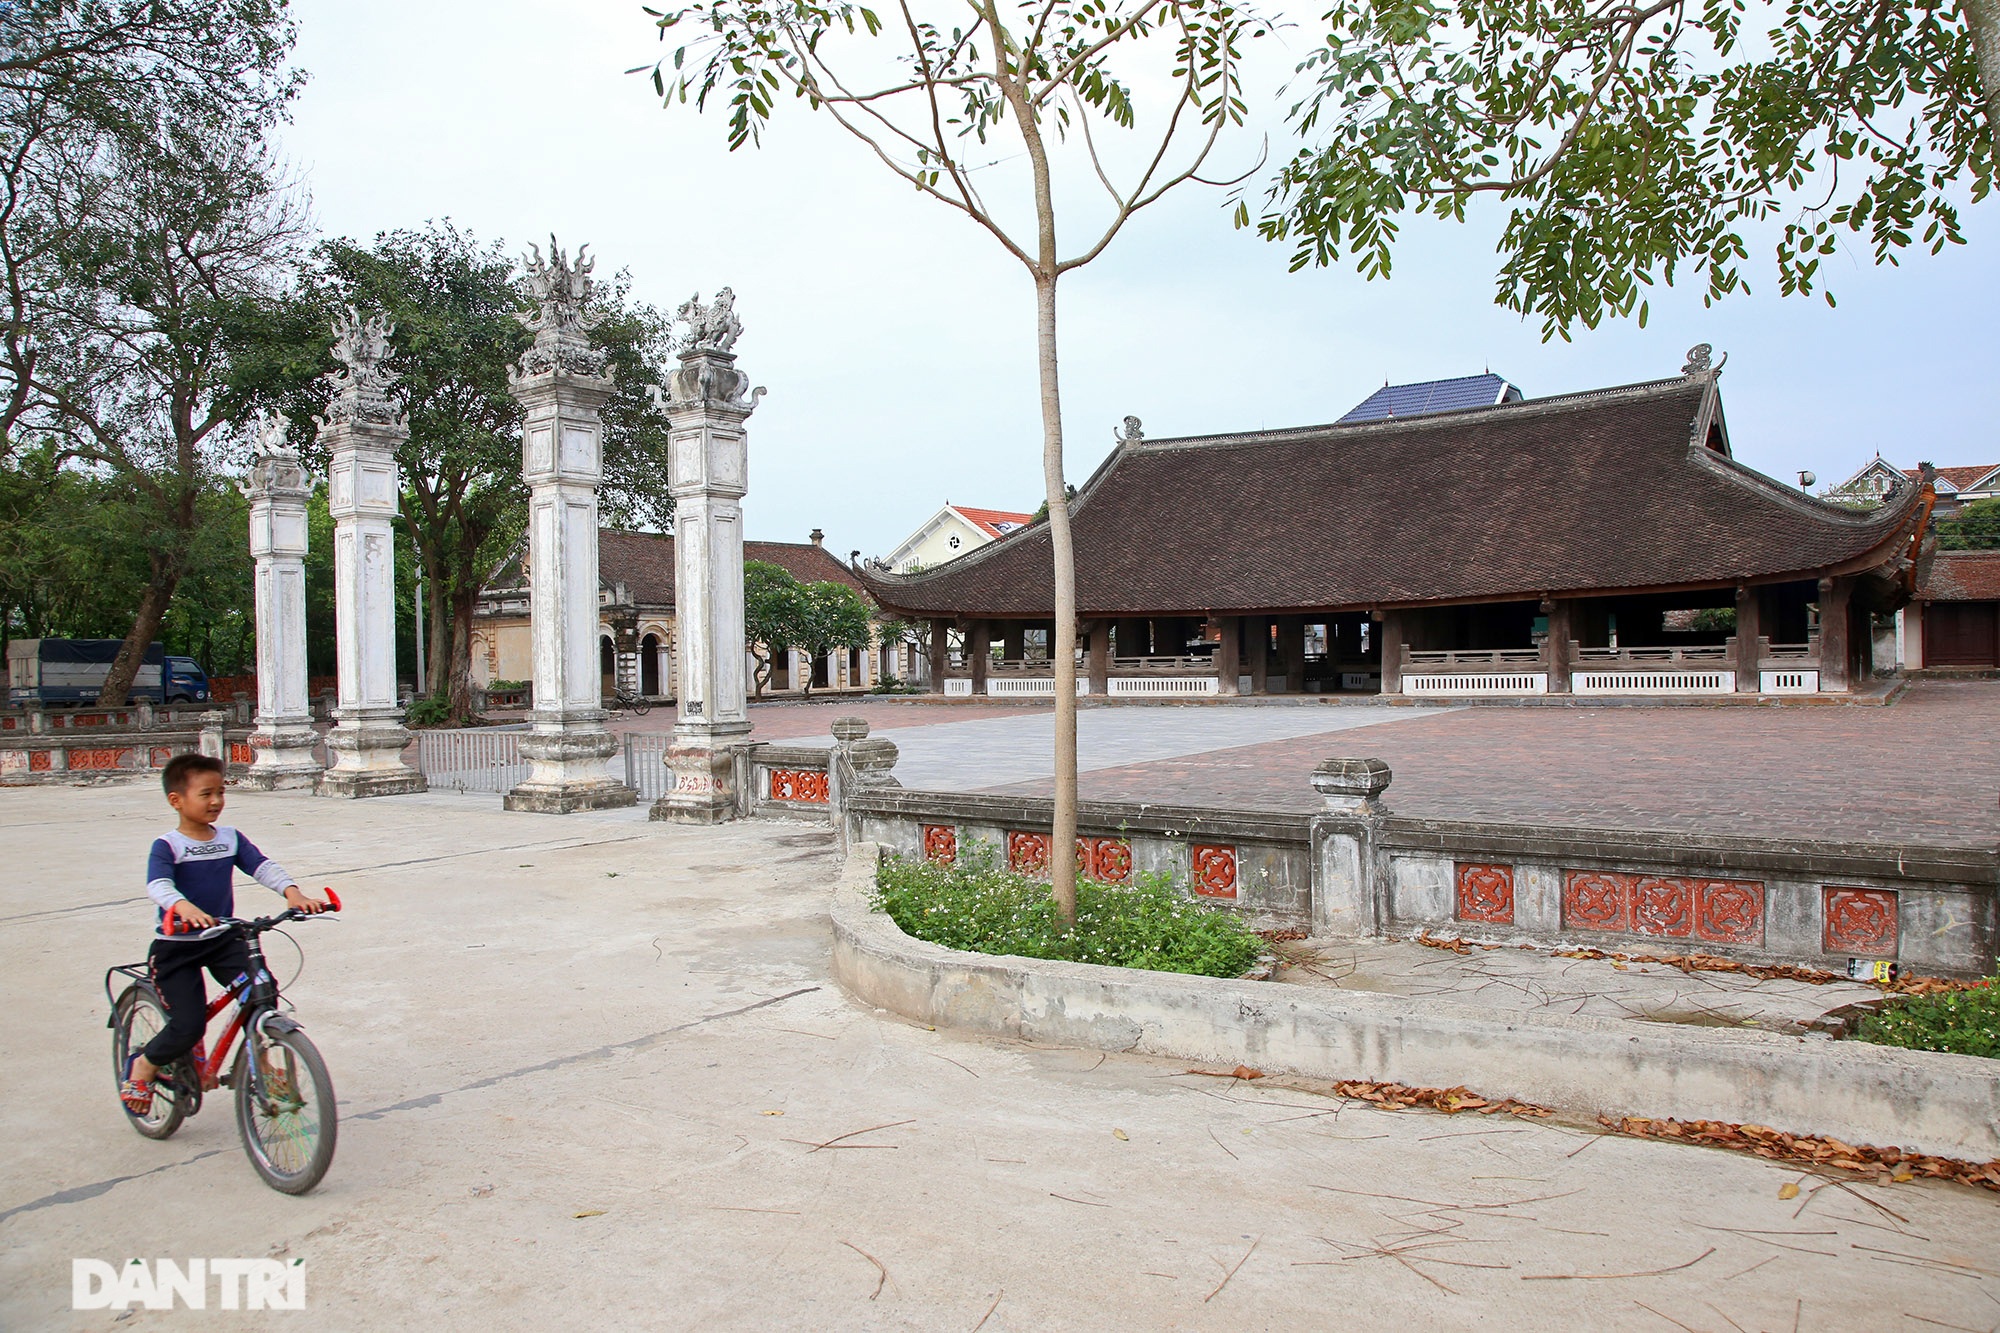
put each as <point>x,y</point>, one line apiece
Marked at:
<point>1131,433</point>
<point>1698,363</point>
<point>711,328</point>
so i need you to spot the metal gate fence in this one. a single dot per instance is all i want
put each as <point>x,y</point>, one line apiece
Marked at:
<point>490,759</point>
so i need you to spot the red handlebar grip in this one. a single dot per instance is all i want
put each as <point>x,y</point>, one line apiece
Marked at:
<point>167,926</point>
<point>332,897</point>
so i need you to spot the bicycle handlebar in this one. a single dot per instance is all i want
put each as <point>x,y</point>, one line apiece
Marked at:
<point>255,925</point>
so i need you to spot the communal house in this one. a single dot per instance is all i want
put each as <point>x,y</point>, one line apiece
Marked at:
<point>1448,539</point>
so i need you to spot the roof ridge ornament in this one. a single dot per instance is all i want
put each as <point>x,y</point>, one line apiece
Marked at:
<point>1130,433</point>
<point>1698,363</point>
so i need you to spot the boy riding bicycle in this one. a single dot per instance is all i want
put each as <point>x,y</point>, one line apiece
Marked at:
<point>190,876</point>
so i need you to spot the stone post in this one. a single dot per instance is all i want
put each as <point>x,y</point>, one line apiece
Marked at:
<point>361,431</point>
<point>856,763</point>
<point>560,384</point>
<point>277,490</point>
<point>707,401</point>
<point>1346,898</point>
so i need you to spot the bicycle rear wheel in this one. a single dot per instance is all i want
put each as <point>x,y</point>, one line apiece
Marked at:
<point>286,1109</point>
<point>139,1017</point>
<point>642,706</point>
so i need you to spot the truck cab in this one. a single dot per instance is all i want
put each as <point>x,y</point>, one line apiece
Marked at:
<point>182,681</point>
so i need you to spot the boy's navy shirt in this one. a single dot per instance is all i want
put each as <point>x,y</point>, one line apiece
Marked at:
<point>204,873</point>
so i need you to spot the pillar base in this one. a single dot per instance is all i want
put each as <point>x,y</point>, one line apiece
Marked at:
<point>705,787</point>
<point>368,755</point>
<point>570,774</point>
<point>283,757</point>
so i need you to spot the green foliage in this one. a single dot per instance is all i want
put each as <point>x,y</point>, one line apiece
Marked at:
<point>978,906</point>
<point>1967,1022</point>
<point>1634,144</point>
<point>428,711</point>
<point>779,612</point>
<point>1714,620</point>
<point>1976,527</point>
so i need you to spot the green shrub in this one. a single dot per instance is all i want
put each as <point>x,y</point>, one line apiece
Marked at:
<point>427,711</point>
<point>978,906</point>
<point>1966,1021</point>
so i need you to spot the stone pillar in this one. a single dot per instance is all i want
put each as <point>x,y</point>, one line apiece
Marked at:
<point>979,653</point>
<point>1100,657</point>
<point>277,490</point>
<point>361,430</point>
<point>1257,636</point>
<point>1227,653</point>
<point>1562,632</point>
<point>707,401</point>
<point>1749,642</point>
<point>560,384</point>
<point>1346,897</point>
<point>1389,629</point>
<point>1833,633</point>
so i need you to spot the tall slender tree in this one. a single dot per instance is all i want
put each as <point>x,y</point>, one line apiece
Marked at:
<point>1040,74</point>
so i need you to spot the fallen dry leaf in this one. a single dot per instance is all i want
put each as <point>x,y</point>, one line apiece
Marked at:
<point>1789,1190</point>
<point>1121,1136</point>
<point>589,1212</point>
<point>770,1113</point>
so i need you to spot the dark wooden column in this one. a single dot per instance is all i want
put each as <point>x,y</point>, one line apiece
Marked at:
<point>1013,636</point>
<point>1228,654</point>
<point>1390,630</point>
<point>1562,629</point>
<point>1100,655</point>
<point>1257,642</point>
<point>979,652</point>
<point>1132,638</point>
<point>940,655</point>
<point>1749,641</point>
<point>1292,651</point>
<point>1833,632</point>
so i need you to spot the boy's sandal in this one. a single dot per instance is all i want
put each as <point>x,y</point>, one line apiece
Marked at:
<point>137,1096</point>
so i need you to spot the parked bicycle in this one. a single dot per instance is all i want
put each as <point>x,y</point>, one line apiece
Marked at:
<point>622,698</point>
<point>285,1106</point>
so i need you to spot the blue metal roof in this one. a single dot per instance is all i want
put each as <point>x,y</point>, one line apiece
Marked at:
<point>1415,400</point>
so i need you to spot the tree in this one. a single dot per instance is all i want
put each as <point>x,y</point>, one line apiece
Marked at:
<point>774,606</point>
<point>1634,143</point>
<point>834,617</point>
<point>1973,528</point>
<point>454,303</point>
<point>1040,70</point>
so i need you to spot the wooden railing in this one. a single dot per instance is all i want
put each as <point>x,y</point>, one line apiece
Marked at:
<point>1423,661</point>
<point>1656,659</point>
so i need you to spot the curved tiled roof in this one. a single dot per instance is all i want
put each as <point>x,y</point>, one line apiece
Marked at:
<point>644,563</point>
<point>1580,494</point>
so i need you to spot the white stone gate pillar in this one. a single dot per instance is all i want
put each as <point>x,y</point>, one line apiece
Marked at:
<point>707,401</point>
<point>362,429</point>
<point>561,385</point>
<point>277,490</point>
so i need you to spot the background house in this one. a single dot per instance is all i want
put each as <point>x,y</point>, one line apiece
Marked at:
<point>951,532</point>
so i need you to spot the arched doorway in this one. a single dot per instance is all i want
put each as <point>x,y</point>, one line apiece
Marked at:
<point>607,667</point>
<point>649,666</point>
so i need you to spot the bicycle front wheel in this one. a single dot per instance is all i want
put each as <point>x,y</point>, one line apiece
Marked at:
<point>642,706</point>
<point>285,1108</point>
<point>140,1016</point>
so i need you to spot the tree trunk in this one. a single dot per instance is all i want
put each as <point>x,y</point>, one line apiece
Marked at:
<point>438,665</point>
<point>152,610</point>
<point>1982,21</point>
<point>458,683</point>
<point>1062,653</point>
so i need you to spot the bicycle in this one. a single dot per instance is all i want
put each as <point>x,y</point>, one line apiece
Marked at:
<point>626,699</point>
<point>285,1108</point>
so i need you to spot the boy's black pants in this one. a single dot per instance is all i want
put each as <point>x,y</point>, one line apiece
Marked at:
<point>176,967</point>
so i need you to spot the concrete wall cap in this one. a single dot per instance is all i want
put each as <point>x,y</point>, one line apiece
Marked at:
<point>1351,777</point>
<point>849,729</point>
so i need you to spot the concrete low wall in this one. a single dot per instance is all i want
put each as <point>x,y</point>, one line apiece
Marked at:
<point>1934,1103</point>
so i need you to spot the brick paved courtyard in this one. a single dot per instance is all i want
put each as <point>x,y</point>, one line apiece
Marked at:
<point>1926,768</point>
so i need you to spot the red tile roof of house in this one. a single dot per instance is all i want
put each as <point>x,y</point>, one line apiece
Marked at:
<point>1959,477</point>
<point>990,521</point>
<point>644,563</point>
<point>1962,576</point>
<point>1579,494</point>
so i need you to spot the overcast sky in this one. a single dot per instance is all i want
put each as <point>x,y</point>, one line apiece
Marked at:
<point>897,340</point>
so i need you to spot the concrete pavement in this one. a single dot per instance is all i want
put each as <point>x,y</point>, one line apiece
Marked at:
<point>594,1073</point>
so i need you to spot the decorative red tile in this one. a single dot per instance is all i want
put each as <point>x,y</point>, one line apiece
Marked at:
<point>1729,911</point>
<point>160,755</point>
<point>41,761</point>
<point>95,760</point>
<point>1028,853</point>
<point>1663,907</point>
<point>1106,860</point>
<point>241,753</point>
<point>798,784</point>
<point>1597,900</point>
<point>1214,870</point>
<point>940,843</point>
<point>1486,893</point>
<point>88,720</point>
<point>1858,921</point>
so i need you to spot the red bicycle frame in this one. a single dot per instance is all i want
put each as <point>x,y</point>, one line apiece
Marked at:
<point>211,1070</point>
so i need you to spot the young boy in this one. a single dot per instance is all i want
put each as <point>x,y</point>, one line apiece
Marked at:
<point>191,875</point>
